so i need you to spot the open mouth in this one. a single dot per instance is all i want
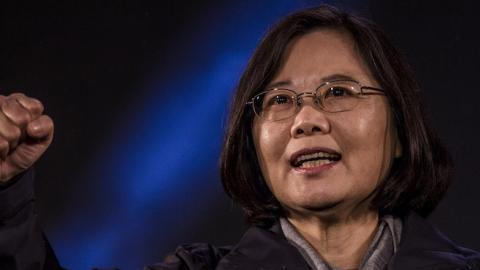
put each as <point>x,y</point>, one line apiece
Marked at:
<point>313,158</point>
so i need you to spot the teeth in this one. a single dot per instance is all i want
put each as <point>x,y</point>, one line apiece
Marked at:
<point>315,163</point>
<point>316,155</point>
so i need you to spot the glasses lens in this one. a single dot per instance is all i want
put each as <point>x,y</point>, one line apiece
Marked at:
<point>275,104</point>
<point>339,95</point>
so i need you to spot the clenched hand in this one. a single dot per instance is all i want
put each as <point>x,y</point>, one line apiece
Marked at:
<point>25,134</point>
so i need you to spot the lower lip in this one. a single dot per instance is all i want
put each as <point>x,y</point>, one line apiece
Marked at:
<point>315,170</point>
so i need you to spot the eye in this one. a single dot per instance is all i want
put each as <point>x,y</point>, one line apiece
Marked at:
<point>277,100</point>
<point>338,92</point>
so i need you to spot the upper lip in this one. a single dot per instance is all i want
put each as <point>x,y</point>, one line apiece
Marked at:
<point>306,151</point>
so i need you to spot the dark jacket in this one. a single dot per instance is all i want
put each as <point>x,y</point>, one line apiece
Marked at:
<point>23,246</point>
<point>421,247</point>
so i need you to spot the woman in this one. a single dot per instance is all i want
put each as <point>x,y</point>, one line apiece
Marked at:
<point>327,151</point>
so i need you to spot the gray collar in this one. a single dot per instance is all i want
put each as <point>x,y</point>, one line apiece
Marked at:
<point>382,248</point>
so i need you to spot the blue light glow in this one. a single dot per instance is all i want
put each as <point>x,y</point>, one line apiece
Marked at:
<point>160,156</point>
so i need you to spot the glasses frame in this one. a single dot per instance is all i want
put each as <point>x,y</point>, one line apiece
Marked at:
<point>298,97</point>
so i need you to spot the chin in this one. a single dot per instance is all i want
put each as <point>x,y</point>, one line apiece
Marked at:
<point>326,206</point>
<point>323,207</point>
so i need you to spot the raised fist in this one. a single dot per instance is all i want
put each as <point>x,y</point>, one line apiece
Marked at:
<point>25,134</point>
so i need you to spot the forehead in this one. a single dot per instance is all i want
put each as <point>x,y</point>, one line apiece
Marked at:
<point>314,57</point>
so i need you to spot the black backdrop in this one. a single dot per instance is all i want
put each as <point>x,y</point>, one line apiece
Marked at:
<point>84,60</point>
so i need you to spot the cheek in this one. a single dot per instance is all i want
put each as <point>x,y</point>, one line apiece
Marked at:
<point>366,141</point>
<point>270,142</point>
<point>355,133</point>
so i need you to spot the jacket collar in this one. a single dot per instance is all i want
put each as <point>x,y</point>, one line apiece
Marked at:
<point>425,247</point>
<point>263,249</point>
<point>421,247</point>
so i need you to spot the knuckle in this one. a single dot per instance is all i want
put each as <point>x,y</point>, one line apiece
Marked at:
<point>4,103</point>
<point>17,94</point>
<point>12,134</point>
<point>3,144</point>
<point>37,105</point>
<point>21,118</point>
<point>15,113</point>
<point>33,105</point>
<point>16,133</point>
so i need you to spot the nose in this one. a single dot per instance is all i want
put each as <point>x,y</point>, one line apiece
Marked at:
<point>309,120</point>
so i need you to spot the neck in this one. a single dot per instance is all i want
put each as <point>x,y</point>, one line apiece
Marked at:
<point>341,241</point>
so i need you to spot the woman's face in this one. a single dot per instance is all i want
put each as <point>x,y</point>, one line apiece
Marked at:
<point>364,138</point>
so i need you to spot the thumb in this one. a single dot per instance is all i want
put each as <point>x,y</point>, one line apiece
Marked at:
<point>41,129</point>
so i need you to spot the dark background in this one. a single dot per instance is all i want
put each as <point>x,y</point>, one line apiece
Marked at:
<point>138,91</point>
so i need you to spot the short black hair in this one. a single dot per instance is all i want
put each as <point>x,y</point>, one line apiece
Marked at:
<point>417,180</point>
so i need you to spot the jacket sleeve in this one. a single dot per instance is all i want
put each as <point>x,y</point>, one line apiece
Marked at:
<point>197,256</point>
<point>22,243</point>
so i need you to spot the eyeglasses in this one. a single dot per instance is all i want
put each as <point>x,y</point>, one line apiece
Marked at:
<point>333,96</point>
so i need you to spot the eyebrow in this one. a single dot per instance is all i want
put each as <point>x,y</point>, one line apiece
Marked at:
<point>337,76</point>
<point>333,77</point>
<point>279,84</point>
